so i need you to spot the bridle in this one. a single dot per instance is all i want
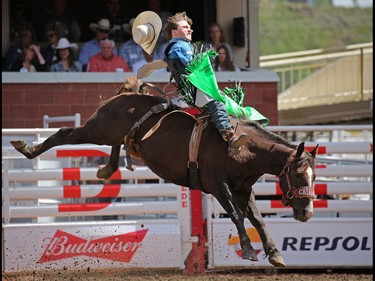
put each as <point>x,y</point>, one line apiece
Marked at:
<point>294,192</point>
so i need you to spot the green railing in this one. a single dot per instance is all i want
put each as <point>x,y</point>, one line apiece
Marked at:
<point>294,67</point>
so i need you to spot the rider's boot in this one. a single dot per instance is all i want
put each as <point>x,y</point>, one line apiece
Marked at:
<point>233,140</point>
<point>222,123</point>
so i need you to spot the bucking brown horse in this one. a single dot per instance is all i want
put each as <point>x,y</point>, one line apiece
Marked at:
<point>229,177</point>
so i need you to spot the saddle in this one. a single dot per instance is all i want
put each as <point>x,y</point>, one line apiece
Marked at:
<point>195,139</point>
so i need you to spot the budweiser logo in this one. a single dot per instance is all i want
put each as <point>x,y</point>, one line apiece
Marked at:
<point>118,248</point>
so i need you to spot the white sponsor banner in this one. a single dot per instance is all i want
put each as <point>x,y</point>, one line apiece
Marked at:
<point>141,244</point>
<point>318,242</point>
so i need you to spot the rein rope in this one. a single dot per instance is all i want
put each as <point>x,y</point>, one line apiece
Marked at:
<point>130,136</point>
<point>294,192</point>
<point>154,110</point>
<point>163,92</point>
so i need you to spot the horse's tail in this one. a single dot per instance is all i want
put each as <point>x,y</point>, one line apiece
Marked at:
<point>131,84</point>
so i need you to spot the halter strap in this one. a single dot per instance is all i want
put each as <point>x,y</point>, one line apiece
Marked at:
<point>294,192</point>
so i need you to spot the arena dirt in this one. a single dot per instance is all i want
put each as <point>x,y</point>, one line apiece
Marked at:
<point>117,275</point>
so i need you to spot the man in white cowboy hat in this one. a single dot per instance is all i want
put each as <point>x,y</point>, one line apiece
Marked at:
<point>130,51</point>
<point>90,48</point>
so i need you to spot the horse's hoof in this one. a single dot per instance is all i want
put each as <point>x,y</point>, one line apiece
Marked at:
<point>19,145</point>
<point>276,259</point>
<point>249,255</point>
<point>102,174</point>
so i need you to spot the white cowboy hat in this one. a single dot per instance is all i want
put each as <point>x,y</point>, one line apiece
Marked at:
<point>146,29</point>
<point>127,27</point>
<point>64,43</point>
<point>102,24</point>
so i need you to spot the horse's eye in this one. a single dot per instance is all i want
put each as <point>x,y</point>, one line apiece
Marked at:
<point>298,175</point>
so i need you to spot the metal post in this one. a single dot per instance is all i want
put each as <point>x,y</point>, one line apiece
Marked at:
<point>5,193</point>
<point>45,121</point>
<point>361,73</point>
<point>77,121</point>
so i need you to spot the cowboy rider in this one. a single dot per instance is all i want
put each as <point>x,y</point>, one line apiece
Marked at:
<point>178,55</point>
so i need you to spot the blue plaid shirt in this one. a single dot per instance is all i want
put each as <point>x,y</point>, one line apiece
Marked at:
<point>131,52</point>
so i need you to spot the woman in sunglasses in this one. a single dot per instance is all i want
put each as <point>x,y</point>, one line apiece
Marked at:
<point>49,52</point>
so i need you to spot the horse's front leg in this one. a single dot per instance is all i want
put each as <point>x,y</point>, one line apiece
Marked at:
<point>225,198</point>
<point>256,219</point>
<point>107,171</point>
<point>66,135</point>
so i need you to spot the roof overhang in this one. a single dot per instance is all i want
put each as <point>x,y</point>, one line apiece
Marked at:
<point>324,114</point>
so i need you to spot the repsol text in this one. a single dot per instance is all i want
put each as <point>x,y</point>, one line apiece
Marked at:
<point>349,243</point>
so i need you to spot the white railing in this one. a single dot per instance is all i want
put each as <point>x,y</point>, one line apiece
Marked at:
<point>347,184</point>
<point>343,178</point>
<point>76,118</point>
<point>360,177</point>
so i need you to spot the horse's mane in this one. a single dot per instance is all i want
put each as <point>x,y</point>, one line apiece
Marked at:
<point>268,134</point>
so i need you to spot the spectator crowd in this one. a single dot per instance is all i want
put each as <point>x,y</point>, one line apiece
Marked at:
<point>111,49</point>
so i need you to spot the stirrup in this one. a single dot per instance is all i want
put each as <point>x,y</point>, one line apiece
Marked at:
<point>237,142</point>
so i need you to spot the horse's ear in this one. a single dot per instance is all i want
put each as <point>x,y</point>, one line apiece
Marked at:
<point>314,151</point>
<point>300,149</point>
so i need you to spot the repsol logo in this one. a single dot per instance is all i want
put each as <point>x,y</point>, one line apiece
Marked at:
<point>350,243</point>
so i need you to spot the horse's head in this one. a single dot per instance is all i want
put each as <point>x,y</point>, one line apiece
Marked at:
<point>296,182</point>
